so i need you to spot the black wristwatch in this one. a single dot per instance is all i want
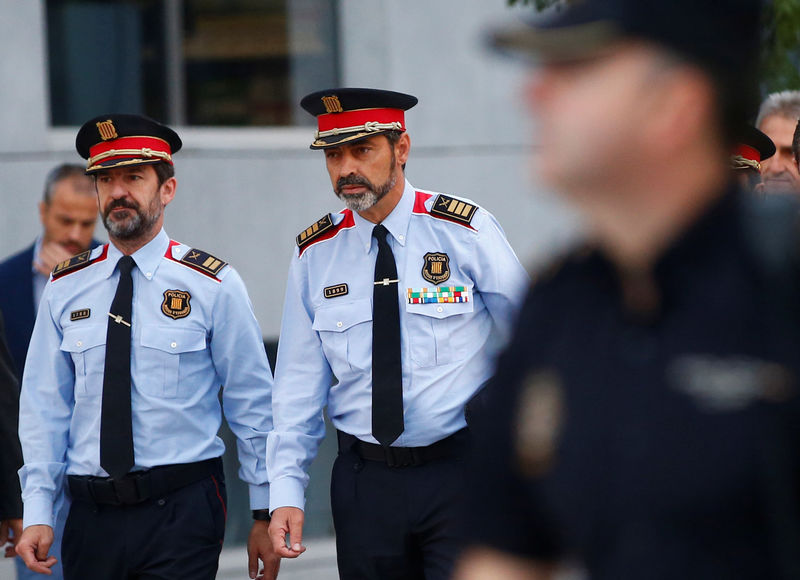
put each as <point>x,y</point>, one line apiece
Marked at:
<point>261,515</point>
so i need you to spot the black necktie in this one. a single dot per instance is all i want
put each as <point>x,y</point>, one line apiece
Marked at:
<point>387,369</point>
<point>116,431</point>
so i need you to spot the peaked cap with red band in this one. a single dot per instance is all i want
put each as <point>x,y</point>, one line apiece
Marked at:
<point>752,148</point>
<point>119,140</point>
<point>348,115</point>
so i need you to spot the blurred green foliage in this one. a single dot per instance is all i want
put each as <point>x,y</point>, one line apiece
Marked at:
<point>781,47</point>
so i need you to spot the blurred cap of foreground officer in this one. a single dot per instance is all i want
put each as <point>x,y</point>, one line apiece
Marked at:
<point>747,161</point>
<point>644,419</point>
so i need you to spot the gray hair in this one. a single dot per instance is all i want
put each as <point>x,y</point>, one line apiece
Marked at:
<point>60,173</point>
<point>783,103</point>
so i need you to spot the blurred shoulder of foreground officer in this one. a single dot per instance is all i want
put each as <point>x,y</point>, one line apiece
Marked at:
<point>644,420</point>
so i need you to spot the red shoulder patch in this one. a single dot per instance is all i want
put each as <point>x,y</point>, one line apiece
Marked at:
<point>324,229</point>
<point>78,262</point>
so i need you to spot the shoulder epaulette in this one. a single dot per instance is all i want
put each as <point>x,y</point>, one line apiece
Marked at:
<point>203,262</point>
<point>74,264</point>
<point>452,209</point>
<point>314,231</point>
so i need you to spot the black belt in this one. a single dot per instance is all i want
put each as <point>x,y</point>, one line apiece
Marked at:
<point>453,446</point>
<point>139,486</point>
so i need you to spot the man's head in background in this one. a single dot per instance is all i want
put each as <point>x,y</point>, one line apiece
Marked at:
<point>639,107</point>
<point>68,212</point>
<point>777,118</point>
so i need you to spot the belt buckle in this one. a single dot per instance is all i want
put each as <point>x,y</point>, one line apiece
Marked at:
<point>127,490</point>
<point>401,456</point>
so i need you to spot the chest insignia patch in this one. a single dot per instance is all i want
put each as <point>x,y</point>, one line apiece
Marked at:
<point>334,291</point>
<point>80,314</point>
<point>440,295</point>
<point>176,304</point>
<point>436,267</point>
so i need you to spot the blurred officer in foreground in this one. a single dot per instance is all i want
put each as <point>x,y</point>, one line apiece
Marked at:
<point>752,148</point>
<point>404,297</point>
<point>120,392</point>
<point>644,421</point>
<point>778,117</point>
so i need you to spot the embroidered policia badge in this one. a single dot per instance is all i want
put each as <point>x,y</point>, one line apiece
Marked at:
<point>74,263</point>
<point>334,291</point>
<point>440,295</point>
<point>176,304</point>
<point>80,314</point>
<point>312,232</point>
<point>453,209</point>
<point>436,267</point>
<point>203,261</point>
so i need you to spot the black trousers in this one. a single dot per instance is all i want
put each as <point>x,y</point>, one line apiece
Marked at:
<point>174,537</point>
<point>396,523</point>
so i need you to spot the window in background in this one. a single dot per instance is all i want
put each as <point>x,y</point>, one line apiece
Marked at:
<point>190,62</point>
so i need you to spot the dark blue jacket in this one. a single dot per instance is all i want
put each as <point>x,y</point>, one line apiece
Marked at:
<point>16,303</point>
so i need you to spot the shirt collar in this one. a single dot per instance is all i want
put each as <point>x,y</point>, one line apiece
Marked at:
<point>396,222</point>
<point>147,258</point>
<point>37,247</point>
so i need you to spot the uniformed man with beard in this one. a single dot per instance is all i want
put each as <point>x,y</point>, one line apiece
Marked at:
<point>120,396</point>
<point>404,297</point>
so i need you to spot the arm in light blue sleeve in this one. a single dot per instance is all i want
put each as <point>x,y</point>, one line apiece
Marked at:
<point>45,409</point>
<point>498,276</point>
<point>302,379</point>
<point>237,348</point>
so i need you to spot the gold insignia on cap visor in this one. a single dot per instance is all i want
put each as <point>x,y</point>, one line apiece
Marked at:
<point>332,104</point>
<point>362,121</point>
<point>107,130</point>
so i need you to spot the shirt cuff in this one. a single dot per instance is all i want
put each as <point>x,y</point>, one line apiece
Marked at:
<point>286,492</point>
<point>259,496</point>
<point>38,510</point>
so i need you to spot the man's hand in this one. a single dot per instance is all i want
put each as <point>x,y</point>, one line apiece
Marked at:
<point>50,255</point>
<point>287,521</point>
<point>33,546</point>
<point>259,547</point>
<point>15,527</point>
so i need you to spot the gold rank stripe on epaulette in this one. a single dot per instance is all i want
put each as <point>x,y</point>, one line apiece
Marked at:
<point>203,262</point>
<point>76,263</point>
<point>453,209</point>
<point>314,231</point>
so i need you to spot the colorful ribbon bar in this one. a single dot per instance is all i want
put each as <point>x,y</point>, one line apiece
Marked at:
<point>438,295</point>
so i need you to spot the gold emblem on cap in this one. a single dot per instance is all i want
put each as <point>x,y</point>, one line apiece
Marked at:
<point>332,104</point>
<point>107,130</point>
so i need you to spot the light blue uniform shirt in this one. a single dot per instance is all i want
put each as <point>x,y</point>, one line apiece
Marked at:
<point>448,348</point>
<point>179,360</point>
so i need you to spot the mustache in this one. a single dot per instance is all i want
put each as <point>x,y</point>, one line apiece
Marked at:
<point>121,203</point>
<point>353,180</point>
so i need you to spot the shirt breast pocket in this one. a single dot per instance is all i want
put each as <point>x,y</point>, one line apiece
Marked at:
<point>346,335</point>
<point>165,363</point>
<point>86,345</point>
<point>436,332</point>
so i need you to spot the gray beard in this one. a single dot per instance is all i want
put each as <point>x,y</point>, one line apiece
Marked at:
<point>363,201</point>
<point>137,226</point>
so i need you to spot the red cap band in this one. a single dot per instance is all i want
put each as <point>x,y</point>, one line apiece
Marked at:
<point>331,121</point>
<point>132,147</point>
<point>748,152</point>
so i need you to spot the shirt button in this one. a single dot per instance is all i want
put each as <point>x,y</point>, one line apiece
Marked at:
<point>440,309</point>
<point>79,343</point>
<point>338,325</point>
<point>401,237</point>
<point>173,344</point>
<point>149,275</point>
